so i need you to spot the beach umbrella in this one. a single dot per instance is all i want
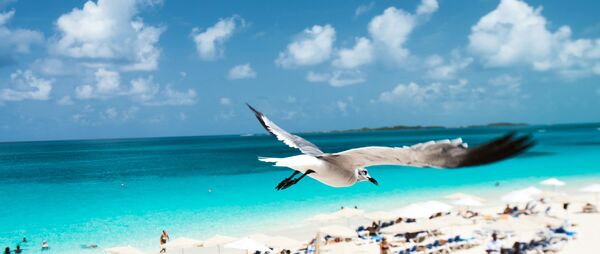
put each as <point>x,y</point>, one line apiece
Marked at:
<point>519,196</point>
<point>552,182</point>
<point>338,231</point>
<point>183,243</point>
<point>347,213</point>
<point>247,244</point>
<point>413,211</point>
<point>217,241</point>
<point>435,206</point>
<point>123,250</point>
<point>468,202</point>
<point>594,188</point>
<point>323,217</point>
<point>460,195</point>
<point>380,215</point>
<point>533,191</point>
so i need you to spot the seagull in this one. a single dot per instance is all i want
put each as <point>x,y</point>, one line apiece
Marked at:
<point>344,169</point>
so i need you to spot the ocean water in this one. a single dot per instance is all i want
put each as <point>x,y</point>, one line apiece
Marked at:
<point>125,191</point>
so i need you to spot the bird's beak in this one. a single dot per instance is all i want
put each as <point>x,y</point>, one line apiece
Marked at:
<point>371,179</point>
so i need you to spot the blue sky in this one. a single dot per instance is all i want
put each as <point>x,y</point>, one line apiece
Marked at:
<point>137,68</point>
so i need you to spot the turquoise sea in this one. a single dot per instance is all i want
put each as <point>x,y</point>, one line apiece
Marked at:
<point>125,191</point>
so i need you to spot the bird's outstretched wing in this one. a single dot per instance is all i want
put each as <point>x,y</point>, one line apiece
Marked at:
<point>437,154</point>
<point>291,140</point>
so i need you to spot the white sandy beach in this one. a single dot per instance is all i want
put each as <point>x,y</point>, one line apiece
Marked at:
<point>301,232</point>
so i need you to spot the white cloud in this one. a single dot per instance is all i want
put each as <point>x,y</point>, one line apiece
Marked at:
<point>225,101</point>
<point>362,9</point>
<point>412,93</point>
<point>439,69</point>
<point>142,90</point>
<point>242,71</point>
<point>360,54</point>
<point>427,7</point>
<point>65,101</point>
<point>391,29</point>
<point>27,87</point>
<point>210,43</point>
<point>15,40</point>
<point>109,30</point>
<point>111,113</point>
<point>312,47</point>
<point>337,78</point>
<point>107,84</point>
<point>517,34</point>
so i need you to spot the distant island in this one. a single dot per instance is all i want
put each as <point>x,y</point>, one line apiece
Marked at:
<point>424,127</point>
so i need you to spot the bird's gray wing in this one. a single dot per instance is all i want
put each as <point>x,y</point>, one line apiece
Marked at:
<point>289,139</point>
<point>437,154</point>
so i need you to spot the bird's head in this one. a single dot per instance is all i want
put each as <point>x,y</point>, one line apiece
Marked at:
<point>363,175</point>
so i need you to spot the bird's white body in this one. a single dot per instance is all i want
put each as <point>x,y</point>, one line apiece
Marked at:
<point>325,172</point>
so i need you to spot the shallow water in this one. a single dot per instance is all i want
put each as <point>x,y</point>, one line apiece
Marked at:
<point>125,191</point>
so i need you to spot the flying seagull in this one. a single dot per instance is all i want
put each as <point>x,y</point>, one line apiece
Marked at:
<point>346,168</point>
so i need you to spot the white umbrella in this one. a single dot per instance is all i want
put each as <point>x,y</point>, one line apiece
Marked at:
<point>347,213</point>
<point>247,244</point>
<point>338,231</point>
<point>532,191</point>
<point>552,182</point>
<point>380,215</point>
<point>183,242</point>
<point>217,241</point>
<point>460,195</point>
<point>594,188</point>
<point>519,196</point>
<point>123,250</point>
<point>323,217</point>
<point>413,211</point>
<point>468,202</point>
<point>435,206</point>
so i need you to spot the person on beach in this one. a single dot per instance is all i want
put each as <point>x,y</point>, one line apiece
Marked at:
<point>163,241</point>
<point>24,239</point>
<point>18,249</point>
<point>384,246</point>
<point>7,250</point>
<point>45,245</point>
<point>494,246</point>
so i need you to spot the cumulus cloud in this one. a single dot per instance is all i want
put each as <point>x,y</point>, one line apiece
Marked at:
<point>107,84</point>
<point>26,87</point>
<point>242,71</point>
<point>517,34</point>
<point>337,78</point>
<point>313,46</point>
<point>15,40</point>
<point>144,91</point>
<point>412,93</point>
<point>438,68</point>
<point>109,30</point>
<point>391,29</point>
<point>360,54</point>
<point>210,42</point>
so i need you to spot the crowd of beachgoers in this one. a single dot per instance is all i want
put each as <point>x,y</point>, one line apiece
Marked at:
<point>528,220</point>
